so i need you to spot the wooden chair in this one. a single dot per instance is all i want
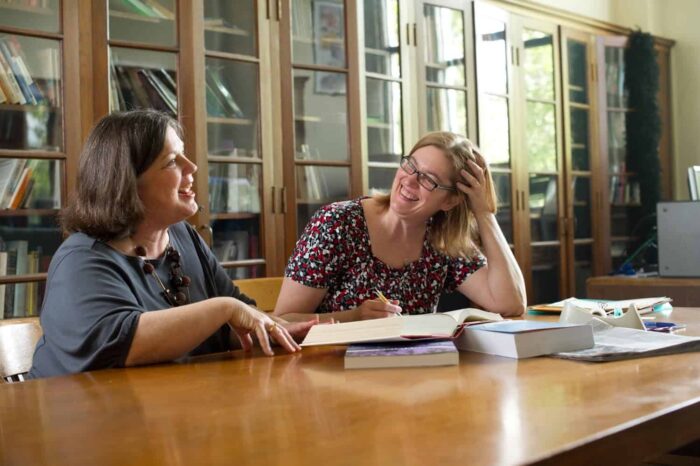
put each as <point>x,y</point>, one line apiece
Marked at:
<point>18,339</point>
<point>263,290</point>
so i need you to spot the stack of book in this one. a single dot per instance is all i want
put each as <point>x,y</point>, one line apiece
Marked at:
<point>134,87</point>
<point>17,84</point>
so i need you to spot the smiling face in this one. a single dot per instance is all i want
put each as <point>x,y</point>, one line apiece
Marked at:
<point>411,200</point>
<point>165,188</point>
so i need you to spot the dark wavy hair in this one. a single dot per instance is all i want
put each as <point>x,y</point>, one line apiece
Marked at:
<point>119,149</point>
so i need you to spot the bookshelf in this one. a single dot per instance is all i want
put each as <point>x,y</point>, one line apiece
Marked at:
<point>287,106</point>
<point>33,148</point>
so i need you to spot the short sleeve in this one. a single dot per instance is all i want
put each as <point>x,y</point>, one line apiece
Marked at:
<point>319,250</point>
<point>460,268</point>
<point>89,323</point>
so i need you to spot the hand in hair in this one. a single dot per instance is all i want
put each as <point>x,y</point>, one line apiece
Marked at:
<point>474,186</point>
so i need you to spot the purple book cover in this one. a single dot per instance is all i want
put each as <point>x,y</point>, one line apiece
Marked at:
<point>401,348</point>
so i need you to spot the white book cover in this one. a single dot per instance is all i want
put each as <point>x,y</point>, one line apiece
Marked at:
<point>525,338</point>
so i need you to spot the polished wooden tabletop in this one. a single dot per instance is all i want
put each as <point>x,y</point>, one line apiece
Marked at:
<point>306,409</point>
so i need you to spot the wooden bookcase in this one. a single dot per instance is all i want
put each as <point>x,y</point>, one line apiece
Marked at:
<point>290,105</point>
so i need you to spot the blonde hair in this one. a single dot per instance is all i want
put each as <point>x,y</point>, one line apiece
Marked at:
<point>454,232</point>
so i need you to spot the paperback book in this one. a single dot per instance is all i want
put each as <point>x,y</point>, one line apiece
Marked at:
<point>401,354</point>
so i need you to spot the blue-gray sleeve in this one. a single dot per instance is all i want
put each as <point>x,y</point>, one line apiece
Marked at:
<point>90,316</point>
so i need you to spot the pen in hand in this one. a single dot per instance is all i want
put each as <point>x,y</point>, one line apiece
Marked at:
<point>382,298</point>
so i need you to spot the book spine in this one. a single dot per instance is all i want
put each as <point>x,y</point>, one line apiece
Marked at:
<point>9,82</point>
<point>19,77</point>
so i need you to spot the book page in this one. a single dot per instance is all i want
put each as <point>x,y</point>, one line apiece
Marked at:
<point>470,315</point>
<point>378,330</point>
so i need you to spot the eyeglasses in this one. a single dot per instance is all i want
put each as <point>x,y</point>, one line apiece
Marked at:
<point>425,180</point>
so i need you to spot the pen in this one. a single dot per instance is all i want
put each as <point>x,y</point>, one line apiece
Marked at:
<point>382,298</point>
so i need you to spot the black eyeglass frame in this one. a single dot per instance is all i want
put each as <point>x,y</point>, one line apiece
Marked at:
<point>409,167</point>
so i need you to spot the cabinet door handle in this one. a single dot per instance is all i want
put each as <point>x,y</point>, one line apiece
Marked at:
<point>283,192</point>
<point>517,56</point>
<point>517,200</point>
<point>267,9</point>
<point>415,35</point>
<point>274,200</point>
<point>408,34</point>
<point>522,199</point>
<point>279,10</point>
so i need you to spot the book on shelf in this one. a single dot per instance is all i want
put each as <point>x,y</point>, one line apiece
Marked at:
<point>20,191</point>
<point>9,83</point>
<point>20,249</point>
<point>3,272</point>
<point>525,338</point>
<point>401,354</point>
<point>3,97</point>
<point>223,96</point>
<point>20,59</point>
<point>159,95</point>
<point>28,88</point>
<point>402,328</point>
<point>643,305</point>
<point>10,178</point>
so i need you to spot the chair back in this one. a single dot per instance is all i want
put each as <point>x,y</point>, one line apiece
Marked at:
<point>263,290</point>
<point>18,338</point>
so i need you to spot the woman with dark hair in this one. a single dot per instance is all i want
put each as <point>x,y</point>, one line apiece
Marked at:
<point>133,283</point>
<point>435,231</point>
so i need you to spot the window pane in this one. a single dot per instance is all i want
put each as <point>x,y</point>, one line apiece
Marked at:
<point>538,64</point>
<point>232,108</point>
<point>444,46</point>
<point>151,22</point>
<point>579,139</point>
<point>320,118</point>
<point>543,208</point>
<point>578,71</point>
<point>447,110</point>
<point>545,274</point>
<point>382,41</point>
<point>230,26</point>
<point>384,125</point>
<point>492,56</point>
<point>43,16</point>
<point>236,239</point>
<point>142,79</point>
<point>318,32</point>
<point>494,128</point>
<point>234,187</point>
<point>31,116</point>
<point>541,135</point>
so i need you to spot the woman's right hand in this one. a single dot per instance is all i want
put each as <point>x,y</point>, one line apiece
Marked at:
<point>375,309</point>
<point>246,320</point>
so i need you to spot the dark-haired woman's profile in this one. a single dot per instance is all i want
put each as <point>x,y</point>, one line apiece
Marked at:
<point>133,283</point>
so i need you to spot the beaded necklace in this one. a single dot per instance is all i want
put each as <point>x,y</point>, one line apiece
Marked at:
<point>178,293</point>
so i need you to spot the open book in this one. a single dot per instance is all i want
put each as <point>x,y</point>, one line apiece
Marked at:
<point>644,305</point>
<point>410,327</point>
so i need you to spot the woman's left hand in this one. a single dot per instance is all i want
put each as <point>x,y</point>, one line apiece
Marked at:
<point>474,186</point>
<point>247,320</point>
<point>297,330</point>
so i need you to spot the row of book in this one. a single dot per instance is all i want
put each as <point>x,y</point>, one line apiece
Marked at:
<point>236,245</point>
<point>233,188</point>
<point>145,8</point>
<point>20,299</point>
<point>134,87</point>
<point>624,191</point>
<point>18,84</point>
<point>17,184</point>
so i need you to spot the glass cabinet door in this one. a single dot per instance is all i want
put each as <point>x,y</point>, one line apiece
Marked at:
<point>623,189</point>
<point>319,87</point>
<point>32,151</point>
<point>540,105</point>
<point>580,160</point>
<point>495,97</point>
<point>232,77</point>
<point>384,90</point>
<point>443,59</point>
<point>142,46</point>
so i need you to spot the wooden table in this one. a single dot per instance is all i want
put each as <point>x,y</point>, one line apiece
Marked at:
<point>306,409</point>
<point>683,291</point>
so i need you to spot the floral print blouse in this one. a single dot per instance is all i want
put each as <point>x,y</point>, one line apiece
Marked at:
<point>334,252</point>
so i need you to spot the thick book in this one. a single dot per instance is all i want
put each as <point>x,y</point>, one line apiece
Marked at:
<point>525,338</point>
<point>400,328</point>
<point>401,354</point>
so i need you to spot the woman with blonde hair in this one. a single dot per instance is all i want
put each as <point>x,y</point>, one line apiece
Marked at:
<point>435,232</point>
